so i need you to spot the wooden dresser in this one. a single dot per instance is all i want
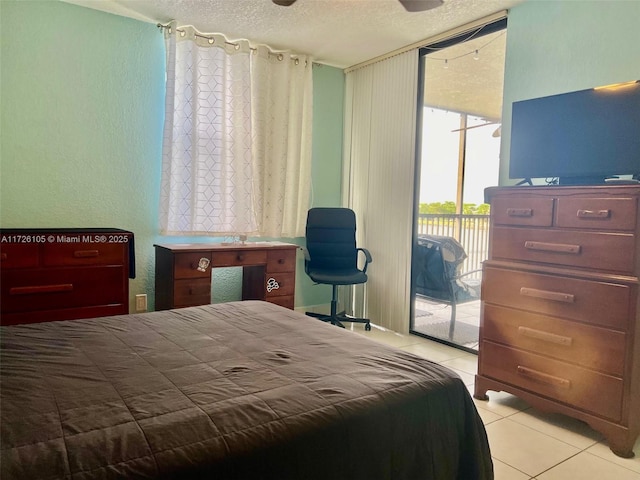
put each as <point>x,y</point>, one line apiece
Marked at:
<point>560,310</point>
<point>63,274</point>
<point>183,272</point>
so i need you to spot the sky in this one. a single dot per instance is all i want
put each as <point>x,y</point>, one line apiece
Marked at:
<point>440,148</point>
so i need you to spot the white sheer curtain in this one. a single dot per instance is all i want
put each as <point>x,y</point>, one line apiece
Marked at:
<point>237,138</point>
<point>380,130</point>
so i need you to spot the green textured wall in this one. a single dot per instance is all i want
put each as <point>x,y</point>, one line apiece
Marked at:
<point>82,97</point>
<point>562,46</point>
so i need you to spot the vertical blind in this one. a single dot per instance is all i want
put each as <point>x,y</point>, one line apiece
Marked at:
<point>379,166</point>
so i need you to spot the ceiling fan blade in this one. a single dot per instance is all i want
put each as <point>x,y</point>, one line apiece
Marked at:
<point>284,3</point>
<point>420,5</point>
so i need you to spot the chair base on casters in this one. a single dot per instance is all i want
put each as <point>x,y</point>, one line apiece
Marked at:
<point>337,318</point>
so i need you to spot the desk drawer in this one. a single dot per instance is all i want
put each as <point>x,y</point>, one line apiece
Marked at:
<point>286,301</point>
<point>192,292</point>
<point>281,260</point>
<point>71,254</point>
<point>597,213</point>
<point>279,284</point>
<point>594,250</point>
<point>592,347</point>
<point>192,265</point>
<point>53,288</point>
<point>532,211</point>
<point>19,255</point>
<point>591,391</point>
<point>597,303</point>
<point>239,258</point>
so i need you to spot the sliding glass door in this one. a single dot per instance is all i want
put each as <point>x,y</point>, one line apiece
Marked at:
<point>458,157</point>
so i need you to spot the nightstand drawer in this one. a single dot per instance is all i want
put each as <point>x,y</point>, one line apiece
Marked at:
<point>530,211</point>
<point>192,265</point>
<point>593,250</point>
<point>591,347</point>
<point>281,260</point>
<point>53,288</point>
<point>588,301</point>
<point>588,390</point>
<point>19,255</point>
<point>74,254</point>
<point>597,213</point>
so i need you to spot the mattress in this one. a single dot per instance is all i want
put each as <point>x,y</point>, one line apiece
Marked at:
<point>241,390</point>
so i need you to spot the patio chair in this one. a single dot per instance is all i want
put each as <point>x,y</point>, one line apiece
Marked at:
<point>438,276</point>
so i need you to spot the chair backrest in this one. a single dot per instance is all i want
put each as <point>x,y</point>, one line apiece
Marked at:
<point>331,238</point>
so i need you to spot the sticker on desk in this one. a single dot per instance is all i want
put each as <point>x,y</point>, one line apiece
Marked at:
<point>272,284</point>
<point>203,264</point>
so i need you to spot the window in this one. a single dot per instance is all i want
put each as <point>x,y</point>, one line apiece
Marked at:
<point>237,148</point>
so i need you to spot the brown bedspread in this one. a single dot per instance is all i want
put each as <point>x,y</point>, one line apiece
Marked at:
<point>243,390</point>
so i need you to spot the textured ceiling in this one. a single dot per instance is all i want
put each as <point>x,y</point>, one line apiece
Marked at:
<point>344,33</point>
<point>340,33</point>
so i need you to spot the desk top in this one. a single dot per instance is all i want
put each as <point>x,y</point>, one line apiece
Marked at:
<point>196,247</point>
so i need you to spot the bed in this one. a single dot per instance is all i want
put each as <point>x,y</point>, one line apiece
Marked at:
<point>241,390</point>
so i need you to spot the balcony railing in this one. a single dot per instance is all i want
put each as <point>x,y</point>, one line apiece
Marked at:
<point>472,231</point>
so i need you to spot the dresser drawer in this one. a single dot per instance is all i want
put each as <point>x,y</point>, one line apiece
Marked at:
<point>281,260</point>
<point>591,347</point>
<point>532,211</point>
<point>19,255</point>
<point>597,213</point>
<point>191,292</point>
<point>72,254</point>
<point>279,284</point>
<point>588,390</point>
<point>239,258</point>
<point>54,288</point>
<point>597,303</point>
<point>593,250</point>
<point>192,265</point>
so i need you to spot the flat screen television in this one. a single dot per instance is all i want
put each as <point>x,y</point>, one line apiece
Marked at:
<point>584,137</point>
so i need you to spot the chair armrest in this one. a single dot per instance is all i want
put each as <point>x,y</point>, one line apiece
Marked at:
<point>466,274</point>
<point>367,258</point>
<point>307,259</point>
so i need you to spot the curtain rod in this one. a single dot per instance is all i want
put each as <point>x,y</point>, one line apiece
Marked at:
<point>431,40</point>
<point>211,40</point>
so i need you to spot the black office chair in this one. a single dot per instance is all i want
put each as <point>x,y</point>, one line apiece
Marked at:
<point>331,257</point>
<point>438,274</point>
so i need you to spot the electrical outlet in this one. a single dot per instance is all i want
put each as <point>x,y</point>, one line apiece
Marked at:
<point>141,302</point>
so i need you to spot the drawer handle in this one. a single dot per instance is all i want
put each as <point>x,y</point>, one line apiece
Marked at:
<point>63,287</point>
<point>86,253</point>
<point>240,257</point>
<point>520,212</point>
<point>545,336</point>
<point>594,214</point>
<point>544,377</point>
<point>281,261</point>
<point>547,295</point>
<point>552,247</point>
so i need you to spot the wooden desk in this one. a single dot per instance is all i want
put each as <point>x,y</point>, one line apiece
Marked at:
<point>183,272</point>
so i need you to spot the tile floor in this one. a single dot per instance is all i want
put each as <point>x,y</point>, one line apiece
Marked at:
<point>430,314</point>
<point>525,444</point>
